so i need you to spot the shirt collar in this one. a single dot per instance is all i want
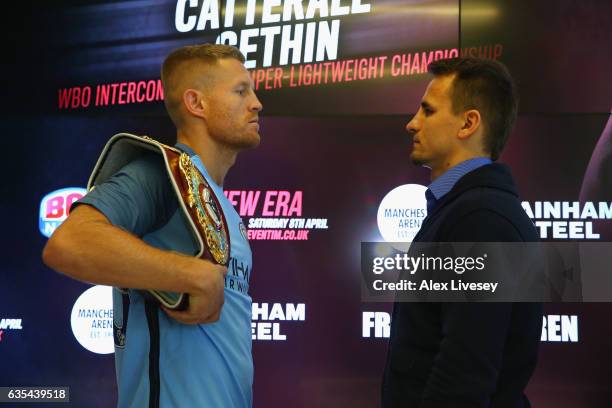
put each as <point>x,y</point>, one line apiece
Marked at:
<point>185,148</point>
<point>443,184</point>
<point>198,163</point>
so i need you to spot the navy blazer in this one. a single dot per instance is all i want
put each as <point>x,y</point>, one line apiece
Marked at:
<point>456,355</point>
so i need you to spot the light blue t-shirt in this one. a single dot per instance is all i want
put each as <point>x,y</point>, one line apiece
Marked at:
<point>159,361</point>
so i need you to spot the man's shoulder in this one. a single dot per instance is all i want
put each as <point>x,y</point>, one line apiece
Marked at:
<point>146,175</point>
<point>489,212</point>
<point>486,198</point>
<point>148,167</point>
<point>138,197</point>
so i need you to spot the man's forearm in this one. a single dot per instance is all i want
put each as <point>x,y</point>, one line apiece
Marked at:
<point>88,248</point>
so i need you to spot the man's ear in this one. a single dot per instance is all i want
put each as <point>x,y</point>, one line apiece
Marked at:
<point>194,103</point>
<point>471,123</point>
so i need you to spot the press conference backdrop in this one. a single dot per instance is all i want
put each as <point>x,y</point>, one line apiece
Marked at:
<point>338,81</point>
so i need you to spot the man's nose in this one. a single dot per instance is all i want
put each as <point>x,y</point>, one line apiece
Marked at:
<point>256,106</point>
<point>412,126</point>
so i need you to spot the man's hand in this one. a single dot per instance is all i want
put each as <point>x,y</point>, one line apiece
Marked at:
<point>206,302</point>
<point>89,248</point>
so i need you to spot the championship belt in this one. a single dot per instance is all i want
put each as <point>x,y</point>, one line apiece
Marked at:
<point>196,199</point>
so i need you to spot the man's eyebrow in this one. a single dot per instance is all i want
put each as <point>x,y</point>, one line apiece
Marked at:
<point>244,83</point>
<point>426,105</point>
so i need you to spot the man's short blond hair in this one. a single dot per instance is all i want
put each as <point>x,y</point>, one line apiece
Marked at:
<point>179,66</point>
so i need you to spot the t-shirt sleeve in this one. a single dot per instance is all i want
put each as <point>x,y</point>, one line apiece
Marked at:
<point>138,198</point>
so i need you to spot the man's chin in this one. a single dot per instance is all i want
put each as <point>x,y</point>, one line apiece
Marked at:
<point>253,141</point>
<point>419,161</point>
<point>248,142</point>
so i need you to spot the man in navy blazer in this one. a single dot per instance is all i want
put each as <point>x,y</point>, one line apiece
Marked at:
<point>456,355</point>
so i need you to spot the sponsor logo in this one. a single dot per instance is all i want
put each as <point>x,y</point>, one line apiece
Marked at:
<point>92,319</point>
<point>55,207</point>
<point>265,318</point>
<point>567,219</point>
<point>401,213</point>
<point>274,215</point>
<point>376,324</point>
<point>555,328</point>
<point>9,324</point>
<point>560,329</point>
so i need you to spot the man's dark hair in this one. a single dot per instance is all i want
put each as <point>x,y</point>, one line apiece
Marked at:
<point>484,85</point>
